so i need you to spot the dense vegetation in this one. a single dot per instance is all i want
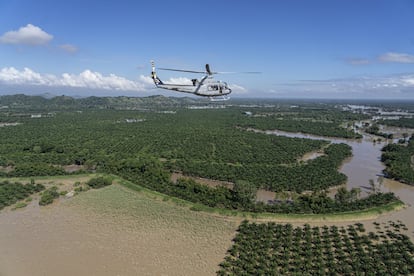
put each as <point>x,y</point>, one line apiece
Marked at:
<point>11,192</point>
<point>402,122</point>
<point>316,174</point>
<point>198,142</point>
<point>144,146</point>
<point>320,203</point>
<point>281,249</point>
<point>398,160</point>
<point>319,121</point>
<point>375,129</point>
<point>48,196</point>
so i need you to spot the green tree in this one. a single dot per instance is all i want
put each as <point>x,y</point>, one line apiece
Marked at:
<point>99,182</point>
<point>245,191</point>
<point>48,196</point>
<point>342,195</point>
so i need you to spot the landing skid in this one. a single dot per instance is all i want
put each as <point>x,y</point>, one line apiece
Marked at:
<point>219,99</point>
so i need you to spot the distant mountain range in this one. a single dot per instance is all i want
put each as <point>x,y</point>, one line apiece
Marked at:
<point>51,102</point>
<point>47,101</point>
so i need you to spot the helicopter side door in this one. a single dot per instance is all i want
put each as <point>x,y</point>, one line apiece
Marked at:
<point>215,88</point>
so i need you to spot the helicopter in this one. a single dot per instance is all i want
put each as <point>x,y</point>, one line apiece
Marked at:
<point>216,90</point>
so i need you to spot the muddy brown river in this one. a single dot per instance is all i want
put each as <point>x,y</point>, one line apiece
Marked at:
<point>111,231</point>
<point>365,165</point>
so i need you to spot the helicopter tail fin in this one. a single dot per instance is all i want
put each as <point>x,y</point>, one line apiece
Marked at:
<point>156,79</point>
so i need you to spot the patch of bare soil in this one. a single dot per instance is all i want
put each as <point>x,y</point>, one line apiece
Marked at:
<point>205,181</point>
<point>66,184</point>
<point>6,169</point>
<point>73,168</point>
<point>311,155</point>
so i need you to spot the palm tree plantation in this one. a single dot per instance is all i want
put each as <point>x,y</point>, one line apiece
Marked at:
<point>313,223</point>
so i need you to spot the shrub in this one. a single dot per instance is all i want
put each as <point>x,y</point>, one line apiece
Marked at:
<point>48,196</point>
<point>99,182</point>
<point>19,205</point>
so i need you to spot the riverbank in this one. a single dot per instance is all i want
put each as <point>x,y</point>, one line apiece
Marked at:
<point>367,214</point>
<point>396,211</point>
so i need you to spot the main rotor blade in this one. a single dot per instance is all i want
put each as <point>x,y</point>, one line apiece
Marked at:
<point>179,70</point>
<point>237,72</point>
<point>207,71</point>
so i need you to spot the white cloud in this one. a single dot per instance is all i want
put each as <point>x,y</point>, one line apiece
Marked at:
<point>86,79</point>
<point>26,76</point>
<point>146,79</point>
<point>396,57</point>
<point>69,48</point>
<point>29,35</point>
<point>408,80</point>
<point>391,86</point>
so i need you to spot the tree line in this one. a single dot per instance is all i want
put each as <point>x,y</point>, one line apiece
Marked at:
<point>398,160</point>
<point>282,249</point>
<point>149,173</point>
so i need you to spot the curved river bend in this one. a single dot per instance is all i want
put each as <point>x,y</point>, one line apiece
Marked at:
<point>364,165</point>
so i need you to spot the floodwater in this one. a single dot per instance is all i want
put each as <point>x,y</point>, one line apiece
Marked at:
<point>94,234</point>
<point>365,165</point>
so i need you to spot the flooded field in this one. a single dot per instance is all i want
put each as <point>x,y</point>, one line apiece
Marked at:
<point>365,165</point>
<point>111,231</point>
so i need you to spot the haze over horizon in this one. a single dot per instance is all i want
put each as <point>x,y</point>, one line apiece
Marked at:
<point>312,49</point>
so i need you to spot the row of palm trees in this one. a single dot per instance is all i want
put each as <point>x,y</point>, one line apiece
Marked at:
<point>281,249</point>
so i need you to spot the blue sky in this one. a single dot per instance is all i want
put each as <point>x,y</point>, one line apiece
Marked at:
<point>313,49</point>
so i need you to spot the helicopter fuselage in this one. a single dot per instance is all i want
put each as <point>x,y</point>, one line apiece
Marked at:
<point>205,87</point>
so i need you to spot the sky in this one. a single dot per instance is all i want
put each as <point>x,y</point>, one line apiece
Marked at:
<point>303,49</point>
